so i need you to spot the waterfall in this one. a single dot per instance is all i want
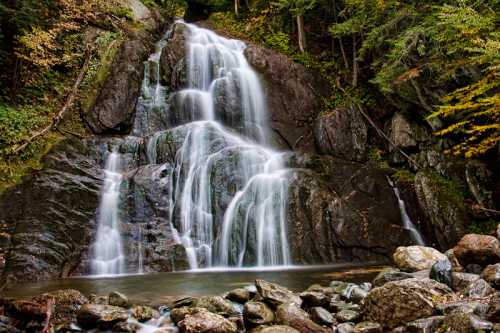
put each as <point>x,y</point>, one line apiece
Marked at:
<point>407,222</point>
<point>108,251</point>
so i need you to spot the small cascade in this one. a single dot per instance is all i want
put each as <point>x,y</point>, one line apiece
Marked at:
<point>407,222</point>
<point>108,257</point>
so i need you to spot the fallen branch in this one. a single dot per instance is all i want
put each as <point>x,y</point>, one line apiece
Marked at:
<point>383,135</point>
<point>59,116</point>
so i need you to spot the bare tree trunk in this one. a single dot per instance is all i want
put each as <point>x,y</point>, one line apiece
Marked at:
<point>237,7</point>
<point>354,63</point>
<point>301,33</point>
<point>344,55</point>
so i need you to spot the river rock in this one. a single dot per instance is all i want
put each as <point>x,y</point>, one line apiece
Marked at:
<point>441,271</point>
<point>346,315</point>
<point>399,302</point>
<point>478,249</point>
<point>466,322</point>
<point>203,321</point>
<point>337,306</point>
<point>345,328</point>
<point>416,258</point>
<point>321,316</point>
<point>274,329</point>
<point>314,298</point>
<point>98,315</point>
<point>144,313</point>
<point>494,308</point>
<point>179,313</point>
<point>425,325</point>
<point>463,280</point>
<point>118,299</point>
<point>492,274</point>
<point>466,306</point>
<point>240,295</point>
<point>276,294</point>
<point>258,313</point>
<point>390,274</point>
<point>342,133</point>
<point>67,303</point>
<point>478,288</point>
<point>367,327</point>
<point>293,95</point>
<point>327,291</point>
<point>292,315</point>
<point>215,304</point>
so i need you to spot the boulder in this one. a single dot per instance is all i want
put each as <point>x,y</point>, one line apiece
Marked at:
<point>416,258</point>
<point>345,328</point>
<point>337,306</point>
<point>425,325</point>
<point>215,304</point>
<point>258,313</point>
<point>203,321</point>
<point>293,95</point>
<point>492,274</point>
<point>118,299</point>
<point>494,308</point>
<point>404,134</point>
<point>466,322</point>
<point>292,315</point>
<point>465,306</point>
<point>463,280</point>
<point>144,313</point>
<point>314,298</point>
<point>347,315</point>
<point>441,271</point>
<point>445,215</point>
<point>179,313</point>
<point>390,274</point>
<point>456,267</point>
<point>477,249</point>
<point>276,294</point>
<point>478,288</point>
<point>321,316</point>
<point>367,327</point>
<point>399,302</point>
<point>342,133</point>
<point>274,329</point>
<point>67,303</point>
<point>102,316</point>
<point>240,295</point>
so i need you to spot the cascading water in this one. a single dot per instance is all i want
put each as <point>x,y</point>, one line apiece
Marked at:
<point>108,256</point>
<point>407,222</point>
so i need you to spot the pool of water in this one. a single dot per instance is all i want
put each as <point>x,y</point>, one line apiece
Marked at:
<point>160,288</point>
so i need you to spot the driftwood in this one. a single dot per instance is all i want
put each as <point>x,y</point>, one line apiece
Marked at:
<point>67,104</point>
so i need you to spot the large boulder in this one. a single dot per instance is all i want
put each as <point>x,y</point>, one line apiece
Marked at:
<point>445,215</point>
<point>292,315</point>
<point>293,95</point>
<point>100,315</point>
<point>342,133</point>
<point>416,258</point>
<point>492,274</point>
<point>50,215</point>
<point>258,313</point>
<point>399,302</point>
<point>204,321</point>
<point>275,294</point>
<point>478,249</point>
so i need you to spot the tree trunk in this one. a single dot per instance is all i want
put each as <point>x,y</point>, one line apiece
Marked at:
<point>237,7</point>
<point>301,33</point>
<point>354,63</point>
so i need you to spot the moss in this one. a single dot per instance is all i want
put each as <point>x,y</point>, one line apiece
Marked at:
<point>483,227</point>
<point>376,156</point>
<point>403,175</point>
<point>449,190</point>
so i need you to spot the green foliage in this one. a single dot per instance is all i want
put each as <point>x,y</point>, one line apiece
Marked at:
<point>483,227</point>
<point>123,12</point>
<point>403,175</point>
<point>295,7</point>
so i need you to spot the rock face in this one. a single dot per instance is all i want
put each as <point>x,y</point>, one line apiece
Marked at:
<point>173,59</point>
<point>478,249</point>
<point>416,258</point>
<point>50,215</point>
<point>293,95</point>
<point>342,133</point>
<point>446,219</point>
<point>398,302</point>
<point>114,108</point>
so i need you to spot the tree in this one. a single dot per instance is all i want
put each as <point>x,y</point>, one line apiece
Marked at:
<point>298,8</point>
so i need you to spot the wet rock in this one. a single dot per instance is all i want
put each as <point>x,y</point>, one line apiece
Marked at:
<point>292,315</point>
<point>240,295</point>
<point>118,299</point>
<point>492,275</point>
<point>314,298</point>
<point>342,133</point>
<point>293,95</point>
<point>276,294</point>
<point>179,313</point>
<point>29,315</point>
<point>356,294</point>
<point>478,288</point>
<point>463,280</point>
<point>98,315</point>
<point>466,322</point>
<point>494,308</point>
<point>399,302</point>
<point>144,313</point>
<point>345,328</point>
<point>258,313</point>
<point>321,316</point>
<point>67,303</point>
<point>274,329</point>
<point>456,267</point>
<point>390,274</point>
<point>478,249</point>
<point>466,306</point>
<point>337,306</point>
<point>367,327</point>
<point>441,272</point>
<point>347,315</point>
<point>124,326</point>
<point>404,134</point>
<point>445,215</point>
<point>327,291</point>
<point>204,321</point>
<point>7,328</point>
<point>474,269</point>
<point>114,107</point>
<point>215,304</point>
<point>425,325</point>
<point>416,258</point>
<point>173,59</point>
<point>98,299</point>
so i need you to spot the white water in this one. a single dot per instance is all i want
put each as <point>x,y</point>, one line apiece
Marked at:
<point>252,229</point>
<point>407,222</point>
<point>108,257</point>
